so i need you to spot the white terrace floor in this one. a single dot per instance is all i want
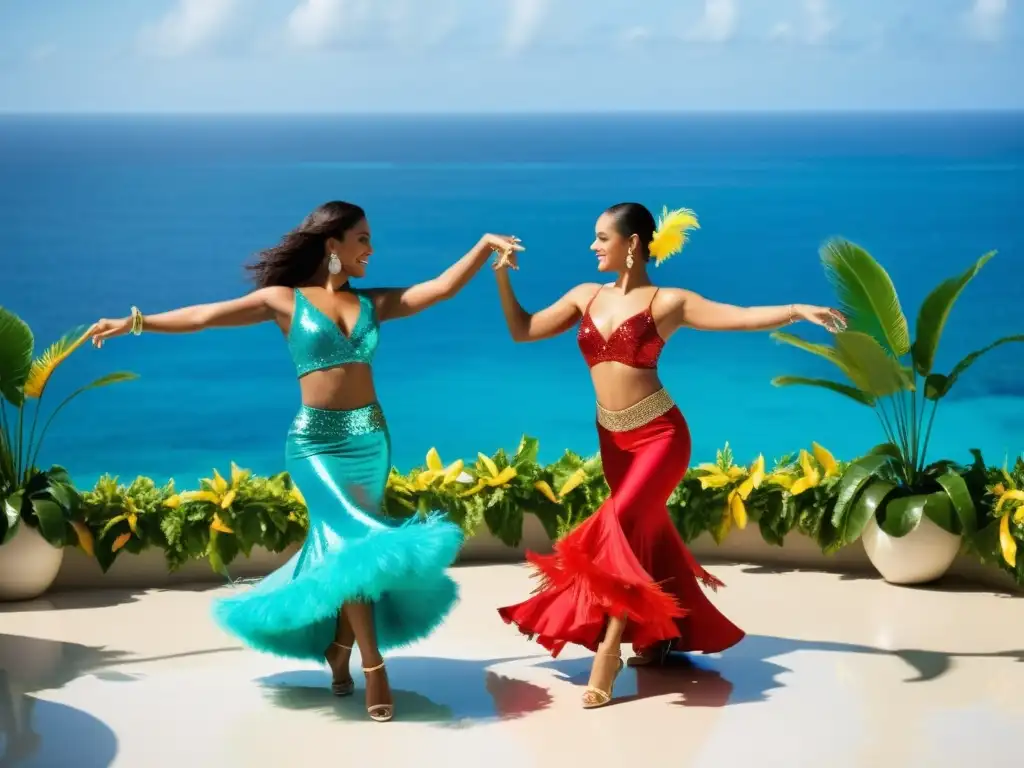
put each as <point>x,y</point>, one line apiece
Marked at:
<point>837,671</point>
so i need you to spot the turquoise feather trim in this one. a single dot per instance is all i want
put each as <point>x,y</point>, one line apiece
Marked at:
<point>401,570</point>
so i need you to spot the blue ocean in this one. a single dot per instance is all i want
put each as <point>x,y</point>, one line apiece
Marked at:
<point>100,213</point>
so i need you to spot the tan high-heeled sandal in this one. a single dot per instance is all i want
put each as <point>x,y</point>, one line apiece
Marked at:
<point>380,713</point>
<point>341,687</point>
<point>595,697</point>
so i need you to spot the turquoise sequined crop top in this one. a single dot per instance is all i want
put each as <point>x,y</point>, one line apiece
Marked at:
<point>316,342</point>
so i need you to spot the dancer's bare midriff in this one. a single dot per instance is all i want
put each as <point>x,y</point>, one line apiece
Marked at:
<point>342,388</point>
<point>618,386</point>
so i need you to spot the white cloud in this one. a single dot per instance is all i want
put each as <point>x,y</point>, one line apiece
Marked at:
<point>820,24</point>
<point>188,26</point>
<point>718,23</point>
<point>815,28</point>
<point>314,23</point>
<point>317,24</point>
<point>524,20</point>
<point>985,20</point>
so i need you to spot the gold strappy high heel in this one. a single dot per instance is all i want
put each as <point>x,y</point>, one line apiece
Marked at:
<point>595,697</point>
<point>380,713</point>
<point>341,687</point>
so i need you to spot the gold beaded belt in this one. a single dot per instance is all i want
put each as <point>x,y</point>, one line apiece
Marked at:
<point>636,415</point>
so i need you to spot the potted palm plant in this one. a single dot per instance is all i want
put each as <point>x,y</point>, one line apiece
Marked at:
<point>911,514</point>
<point>38,508</point>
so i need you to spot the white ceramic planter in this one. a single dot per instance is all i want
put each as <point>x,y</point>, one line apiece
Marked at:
<point>28,565</point>
<point>923,555</point>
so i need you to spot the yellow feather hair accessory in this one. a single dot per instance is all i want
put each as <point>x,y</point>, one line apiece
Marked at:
<point>671,234</point>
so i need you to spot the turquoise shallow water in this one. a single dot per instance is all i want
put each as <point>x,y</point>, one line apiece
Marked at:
<point>97,214</point>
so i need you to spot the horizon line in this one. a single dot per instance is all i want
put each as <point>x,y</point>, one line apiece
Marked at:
<point>523,113</point>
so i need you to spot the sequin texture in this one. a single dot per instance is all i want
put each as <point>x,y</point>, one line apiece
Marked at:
<point>635,343</point>
<point>319,423</point>
<point>637,415</point>
<point>316,342</point>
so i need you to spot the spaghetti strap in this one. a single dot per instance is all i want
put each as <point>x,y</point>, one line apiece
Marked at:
<point>586,311</point>
<point>656,289</point>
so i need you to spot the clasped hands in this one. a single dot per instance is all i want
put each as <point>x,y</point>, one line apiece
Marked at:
<point>505,248</point>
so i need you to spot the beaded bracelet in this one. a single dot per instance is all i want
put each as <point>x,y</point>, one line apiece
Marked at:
<point>137,321</point>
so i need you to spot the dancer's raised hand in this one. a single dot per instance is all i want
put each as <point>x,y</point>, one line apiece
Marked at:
<point>104,329</point>
<point>506,247</point>
<point>832,320</point>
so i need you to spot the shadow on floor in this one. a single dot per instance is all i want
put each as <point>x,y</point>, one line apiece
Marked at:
<point>73,600</point>
<point>747,673</point>
<point>36,732</point>
<point>949,583</point>
<point>37,664</point>
<point>453,692</point>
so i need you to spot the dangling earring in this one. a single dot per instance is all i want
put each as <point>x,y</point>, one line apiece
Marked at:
<point>629,258</point>
<point>334,264</point>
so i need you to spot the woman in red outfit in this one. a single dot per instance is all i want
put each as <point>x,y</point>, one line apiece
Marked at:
<point>625,575</point>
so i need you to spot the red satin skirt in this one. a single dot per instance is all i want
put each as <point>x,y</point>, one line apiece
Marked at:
<point>627,559</point>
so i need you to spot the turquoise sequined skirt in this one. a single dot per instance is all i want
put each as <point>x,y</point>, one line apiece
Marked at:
<point>340,462</point>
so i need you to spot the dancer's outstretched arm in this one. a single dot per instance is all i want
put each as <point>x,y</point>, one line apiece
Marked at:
<point>257,307</point>
<point>550,321</point>
<point>392,303</point>
<point>686,308</point>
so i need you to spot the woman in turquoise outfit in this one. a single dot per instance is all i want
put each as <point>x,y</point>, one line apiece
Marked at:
<point>360,578</point>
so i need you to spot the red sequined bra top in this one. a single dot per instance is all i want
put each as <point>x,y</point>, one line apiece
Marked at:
<point>636,342</point>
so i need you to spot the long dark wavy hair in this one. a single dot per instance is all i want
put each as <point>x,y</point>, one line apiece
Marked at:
<point>634,219</point>
<point>300,254</point>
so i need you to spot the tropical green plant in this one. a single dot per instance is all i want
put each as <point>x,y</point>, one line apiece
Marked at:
<point>1001,515</point>
<point>42,499</point>
<point>225,518</point>
<point>570,490</point>
<point>216,522</point>
<point>228,516</point>
<point>895,483</point>
<point>494,491</point>
<point>123,518</point>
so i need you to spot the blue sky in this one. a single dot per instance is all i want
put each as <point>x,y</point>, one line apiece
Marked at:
<point>508,55</point>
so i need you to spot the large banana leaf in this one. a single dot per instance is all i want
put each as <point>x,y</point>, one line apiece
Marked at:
<point>890,450</point>
<point>16,344</point>
<point>869,366</point>
<point>865,508</point>
<point>850,484</point>
<point>824,351</point>
<point>903,515</point>
<point>960,497</point>
<point>931,320</point>
<point>866,295</point>
<point>853,393</point>
<point>938,385</point>
<point>51,518</point>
